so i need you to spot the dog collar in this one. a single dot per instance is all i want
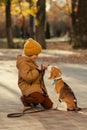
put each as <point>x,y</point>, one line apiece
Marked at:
<point>55,80</point>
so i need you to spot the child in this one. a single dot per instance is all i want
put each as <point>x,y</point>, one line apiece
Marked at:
<point>30,76</point>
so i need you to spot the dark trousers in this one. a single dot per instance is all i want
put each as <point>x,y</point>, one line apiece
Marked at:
<point>37,98</point>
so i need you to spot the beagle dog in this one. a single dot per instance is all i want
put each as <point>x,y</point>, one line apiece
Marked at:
<point>66,99</point>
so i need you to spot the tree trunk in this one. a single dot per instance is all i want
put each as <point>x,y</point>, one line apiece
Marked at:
<point>73,15</point>
<point>40,26</point>
<point>31,21</point>
<point>31,26</point>
<point>8,24</point>
<point>80,24</point>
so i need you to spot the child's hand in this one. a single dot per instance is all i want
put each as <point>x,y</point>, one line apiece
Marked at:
<point>39,68</point>
<point>42,67</point>
<point>45,67</point>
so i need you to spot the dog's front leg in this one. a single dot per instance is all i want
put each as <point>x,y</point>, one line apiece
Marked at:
<point>57,101</point>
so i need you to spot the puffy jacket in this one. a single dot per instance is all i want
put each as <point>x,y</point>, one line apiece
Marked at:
<point>29,78</point>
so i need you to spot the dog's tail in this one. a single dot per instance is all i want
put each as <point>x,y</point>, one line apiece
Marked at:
<point>83,111</point>
<point>76,106</point>
<point>78,109</point>
<point>74,109</point>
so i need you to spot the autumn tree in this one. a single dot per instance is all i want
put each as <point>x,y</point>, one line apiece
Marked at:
<point>7,4</point>
<point>40,23</point>
<point>37,22</point>
<point>37,12</point>
<point>8,24</point>
<point>31,20</point>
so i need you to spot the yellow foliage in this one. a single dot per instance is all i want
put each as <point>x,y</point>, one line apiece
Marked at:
<point>24,13</point>
<point>14,1</point>
<point>24,5</point>
<point>34,1</point>
<point>20,8</point>
<point>2,7</point>
<point>31,12</point>
<point>15,10</point>
<point>35,10</point>
<point>23,8</point>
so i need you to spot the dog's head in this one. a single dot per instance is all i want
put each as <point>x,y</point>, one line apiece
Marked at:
<point>54,72</point>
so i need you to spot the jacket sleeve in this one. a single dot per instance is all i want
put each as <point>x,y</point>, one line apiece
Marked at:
<point>27,74</point>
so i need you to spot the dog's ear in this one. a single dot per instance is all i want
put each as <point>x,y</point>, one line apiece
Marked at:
<point>59,73</point>
<point>55,73</point>
<point>51,73</point>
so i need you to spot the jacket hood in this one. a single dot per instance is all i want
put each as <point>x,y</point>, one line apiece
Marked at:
<point>21,59</point>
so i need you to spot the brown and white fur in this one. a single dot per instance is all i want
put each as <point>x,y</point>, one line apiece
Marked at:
<point>66,99</point>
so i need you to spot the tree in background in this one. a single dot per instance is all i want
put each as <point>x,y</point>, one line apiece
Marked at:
<point>79,18</point>
<point>40,23</point>
<point>31,18</point>
<point>36,12</point>
<point>8,24</point>
<point>37,20</point>
<point>7,4</point>
<point>47,32</point>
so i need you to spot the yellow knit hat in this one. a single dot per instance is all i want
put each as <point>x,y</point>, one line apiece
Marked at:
<point>31,47</point>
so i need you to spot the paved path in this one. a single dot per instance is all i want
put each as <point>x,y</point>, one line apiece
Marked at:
<point>74,75</point>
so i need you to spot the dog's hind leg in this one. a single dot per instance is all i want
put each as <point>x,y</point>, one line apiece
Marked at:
<point>60,105</point>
